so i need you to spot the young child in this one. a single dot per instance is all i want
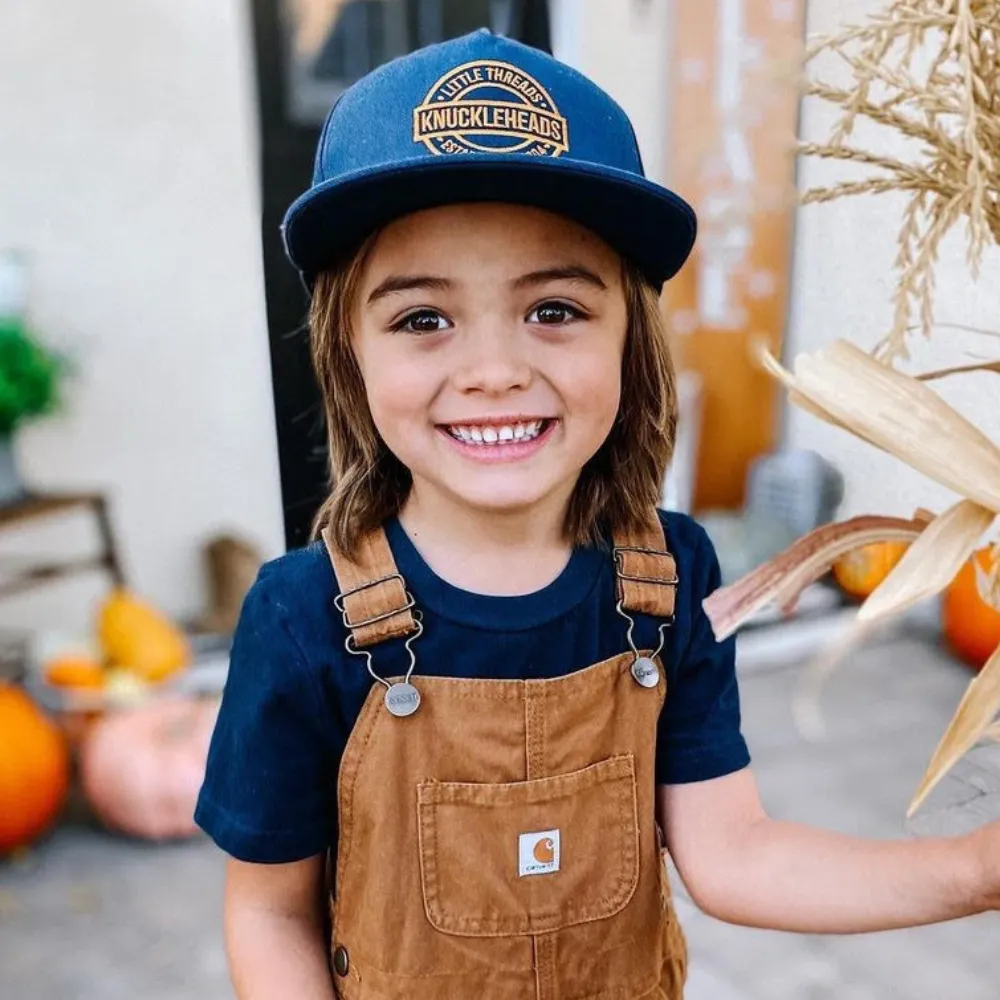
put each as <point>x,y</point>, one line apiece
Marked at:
<point>490,698</point>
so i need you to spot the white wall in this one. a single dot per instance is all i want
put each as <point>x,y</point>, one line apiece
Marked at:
<point>128,173</point>
<point>843,283</point>
<point>622,45</point>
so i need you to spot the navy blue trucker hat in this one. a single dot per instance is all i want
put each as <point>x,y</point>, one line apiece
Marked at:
<point>482,118</point>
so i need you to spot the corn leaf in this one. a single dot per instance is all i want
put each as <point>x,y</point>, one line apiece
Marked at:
<point>782,578</point>
<point>898,414</point>
<point>931,562</point>
<point>971,722</point>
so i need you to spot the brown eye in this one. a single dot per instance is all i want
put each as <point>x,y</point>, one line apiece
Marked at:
<point>553,314</point>
<point>422,321</point>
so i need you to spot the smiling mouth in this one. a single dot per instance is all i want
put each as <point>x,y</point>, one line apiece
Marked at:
<point>492,434</point>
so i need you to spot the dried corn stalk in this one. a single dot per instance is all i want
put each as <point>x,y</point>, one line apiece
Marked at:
<point>928,70</point>
<point>903,416</point>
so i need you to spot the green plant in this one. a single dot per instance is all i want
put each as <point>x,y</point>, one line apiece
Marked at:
<point>30,375</point>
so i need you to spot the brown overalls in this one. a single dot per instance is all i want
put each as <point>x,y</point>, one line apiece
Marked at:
<point>500,843</point>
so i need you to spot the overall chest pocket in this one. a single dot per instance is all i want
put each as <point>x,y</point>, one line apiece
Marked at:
<point>529,857</point>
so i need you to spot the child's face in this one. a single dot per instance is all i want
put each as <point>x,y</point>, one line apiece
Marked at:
<point>490,339</point>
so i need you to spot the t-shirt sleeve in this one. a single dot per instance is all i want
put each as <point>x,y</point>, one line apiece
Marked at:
<point>699,733</point>
<point>268,791</point>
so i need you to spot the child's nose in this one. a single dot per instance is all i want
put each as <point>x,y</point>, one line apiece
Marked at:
<point>494,360</point>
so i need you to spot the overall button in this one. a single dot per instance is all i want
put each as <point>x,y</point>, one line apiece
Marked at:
<point>402,699</point>
<point>645,672</point>
<point>341,962</point>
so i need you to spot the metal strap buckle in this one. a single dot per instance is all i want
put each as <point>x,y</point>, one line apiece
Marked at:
<point>351,646</point>
<point>340,599</point>
<point>618,552</point>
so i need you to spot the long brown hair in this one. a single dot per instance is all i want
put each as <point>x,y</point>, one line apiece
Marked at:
<point>617,488</point>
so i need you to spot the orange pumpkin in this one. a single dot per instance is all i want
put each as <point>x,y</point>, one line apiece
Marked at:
<point>34,770</point>
<point>970,624</point>
<point>142,768</point>
<point>860,571</point>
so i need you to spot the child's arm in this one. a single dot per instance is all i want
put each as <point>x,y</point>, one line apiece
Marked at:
<point>275,931</point>
<point>743,867</point>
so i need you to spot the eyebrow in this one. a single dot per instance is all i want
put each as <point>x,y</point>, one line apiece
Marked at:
<point>572,272</point>
<point>407,282</point>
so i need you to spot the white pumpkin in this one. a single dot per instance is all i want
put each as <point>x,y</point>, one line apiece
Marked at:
<point>141,768</point>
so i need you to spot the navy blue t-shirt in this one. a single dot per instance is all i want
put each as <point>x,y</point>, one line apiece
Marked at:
<point>293,693</point>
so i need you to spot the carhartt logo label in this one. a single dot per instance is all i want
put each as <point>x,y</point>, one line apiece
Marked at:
<point>490,107</point>
<point>545,851</point>
<point>538,853</point>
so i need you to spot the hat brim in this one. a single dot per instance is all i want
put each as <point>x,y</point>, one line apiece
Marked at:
<point>646,223</point>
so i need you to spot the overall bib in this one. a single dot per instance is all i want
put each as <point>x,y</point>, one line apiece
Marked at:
<point>500,842</point>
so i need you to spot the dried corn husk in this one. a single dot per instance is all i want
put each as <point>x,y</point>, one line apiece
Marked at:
<point>972,722</point>
<point>898,414</point>
<point>903,416</point>
<point>780,580</point>
<point>931,562</point>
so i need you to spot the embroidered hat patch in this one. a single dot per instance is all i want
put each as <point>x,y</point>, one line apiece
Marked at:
<point>490,106</point>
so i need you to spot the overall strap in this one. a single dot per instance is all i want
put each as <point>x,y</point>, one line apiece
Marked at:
<point>645,571</point>
<point>373,598</point>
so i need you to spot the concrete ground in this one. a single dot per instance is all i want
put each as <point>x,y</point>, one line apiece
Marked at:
<point>87,916</point>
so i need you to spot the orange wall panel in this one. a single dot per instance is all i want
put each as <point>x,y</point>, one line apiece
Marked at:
<point>732,131</point>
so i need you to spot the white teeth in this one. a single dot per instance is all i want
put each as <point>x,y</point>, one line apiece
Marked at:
<point>490,434</point>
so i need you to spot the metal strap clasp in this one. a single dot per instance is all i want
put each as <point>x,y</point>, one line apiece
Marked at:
<point>340,599</point>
